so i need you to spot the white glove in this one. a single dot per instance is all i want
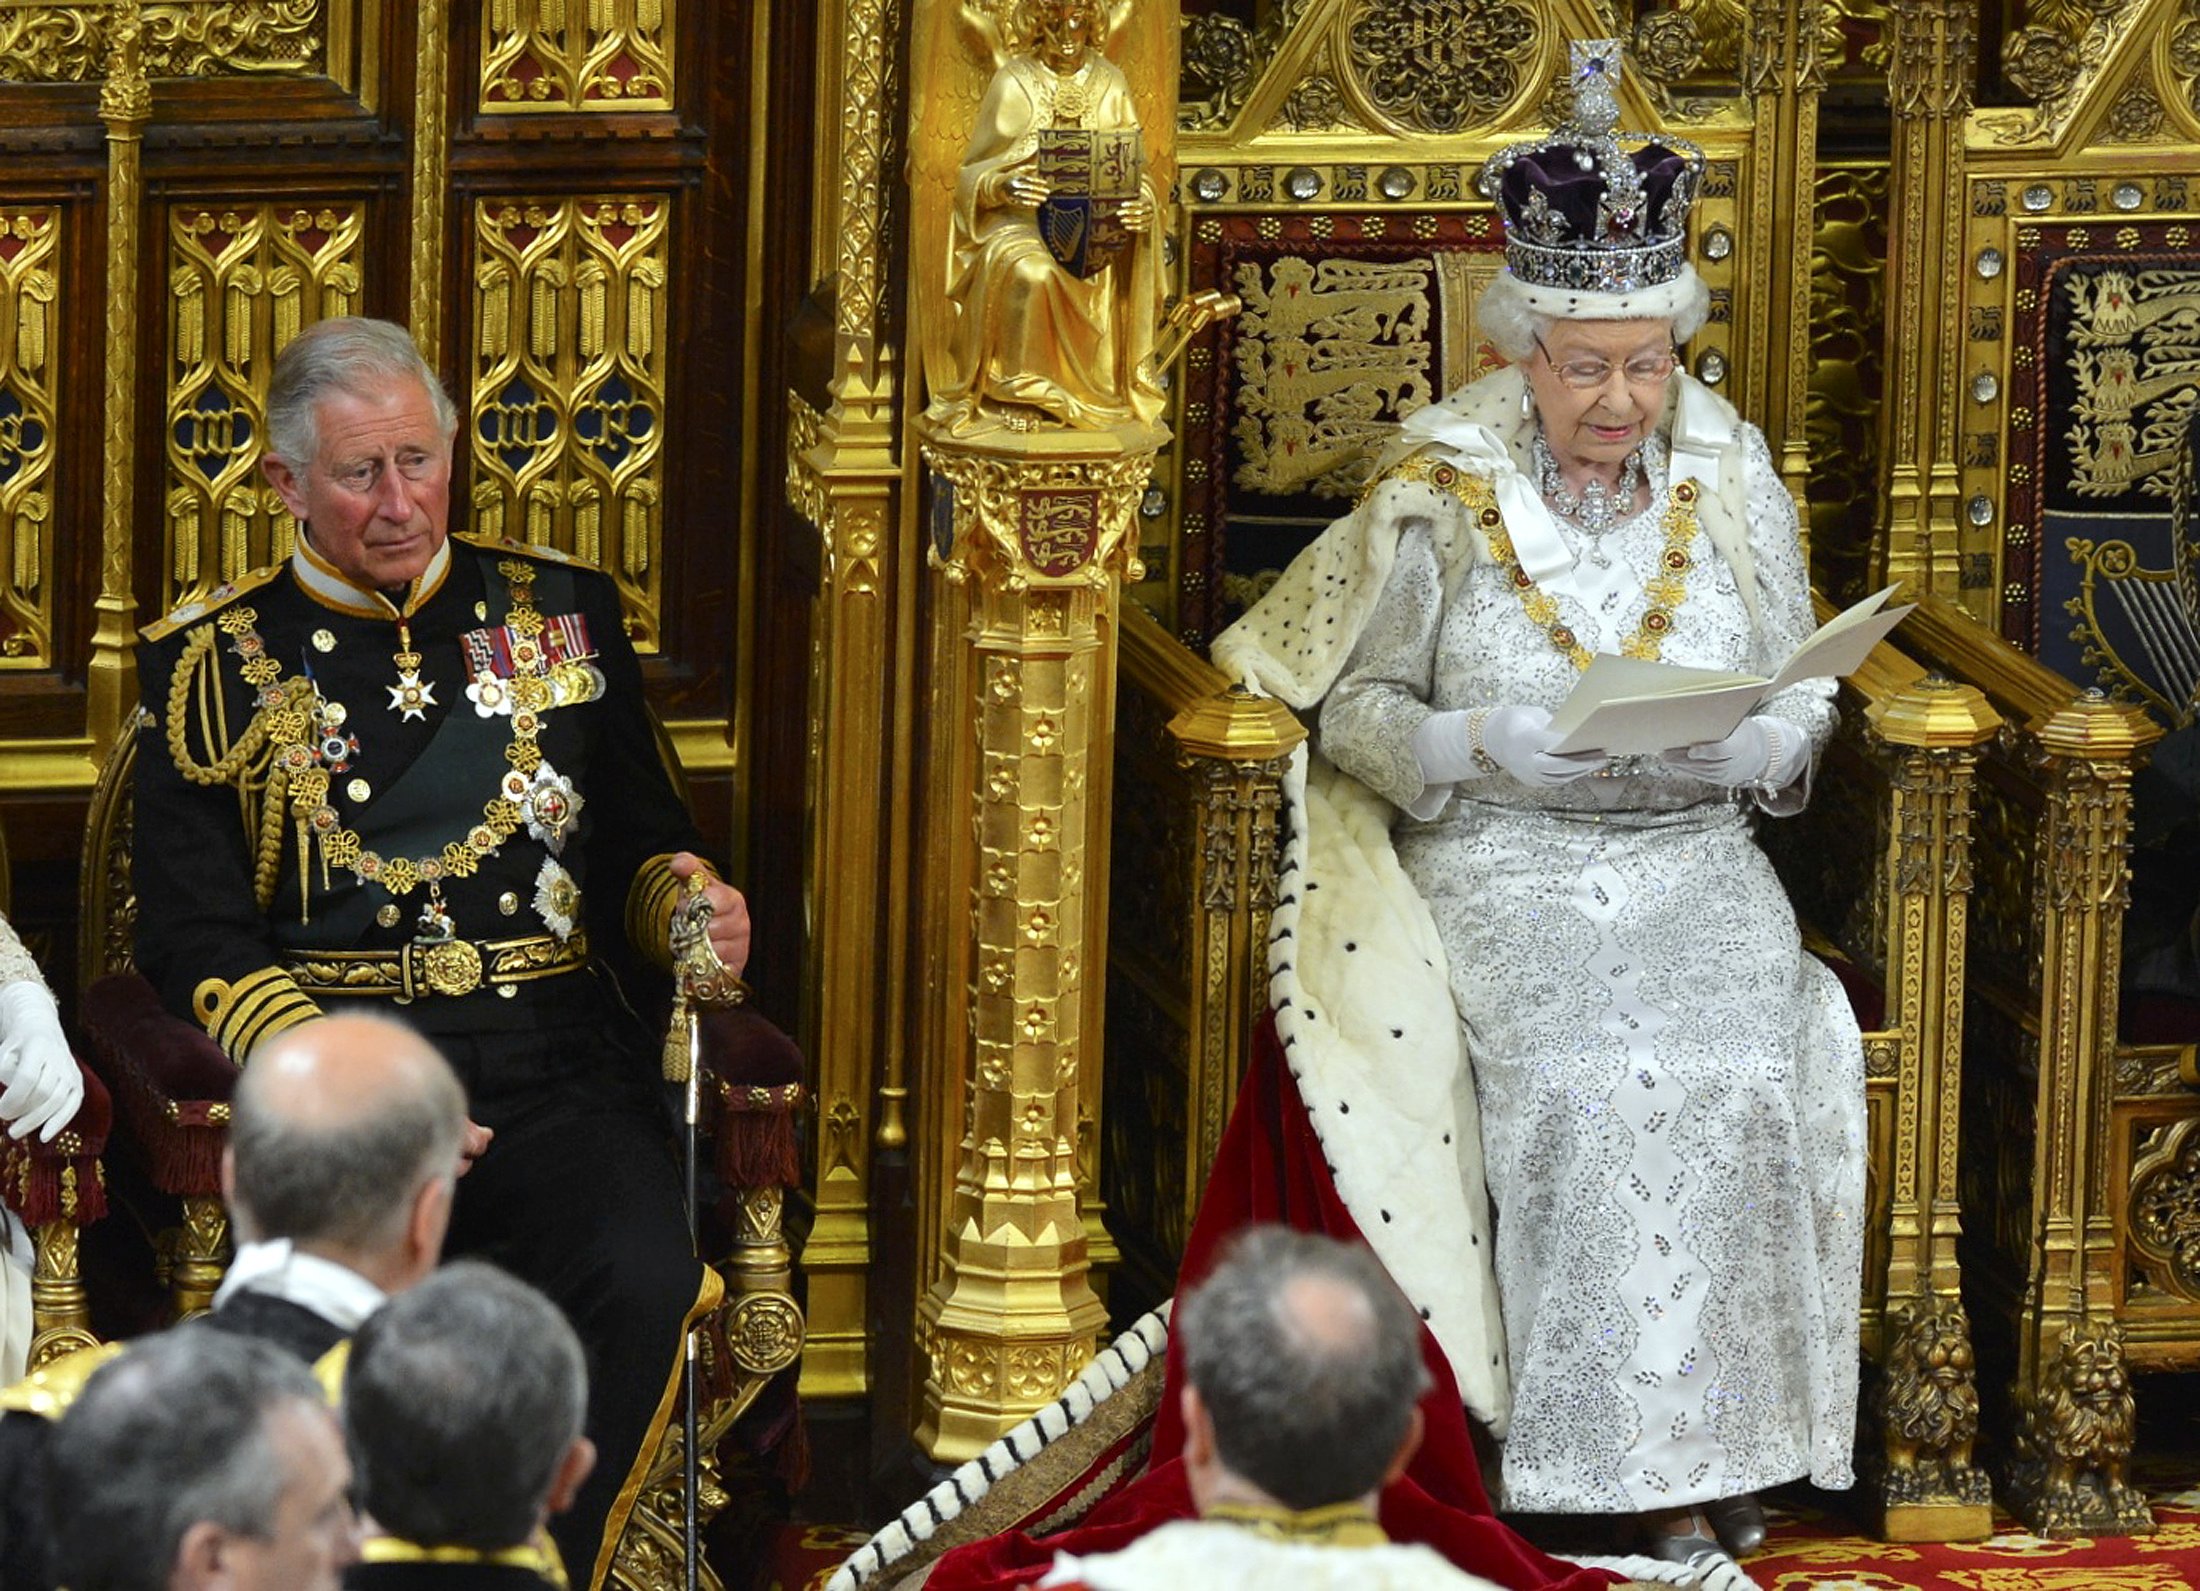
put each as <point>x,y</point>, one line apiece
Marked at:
<point>1763,751</point>
<point>1519,740</point>
<point>40,1087</point>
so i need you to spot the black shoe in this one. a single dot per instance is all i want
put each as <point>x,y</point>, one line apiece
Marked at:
<point>1740,1523</point>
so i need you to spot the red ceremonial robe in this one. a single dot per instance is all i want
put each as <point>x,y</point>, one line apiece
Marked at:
<point>1270,1168</point>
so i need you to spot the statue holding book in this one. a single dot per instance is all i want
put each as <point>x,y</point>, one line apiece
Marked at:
<point>1055,280</point>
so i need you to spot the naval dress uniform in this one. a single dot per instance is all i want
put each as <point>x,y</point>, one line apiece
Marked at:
<point>447,806</point>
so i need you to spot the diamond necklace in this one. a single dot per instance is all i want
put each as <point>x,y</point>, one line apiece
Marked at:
<point>1598,507</point>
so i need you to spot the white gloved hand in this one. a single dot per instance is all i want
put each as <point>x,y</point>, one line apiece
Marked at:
<point>40,1087</point>
<point>1763,751</point>
<point>1519,740</point>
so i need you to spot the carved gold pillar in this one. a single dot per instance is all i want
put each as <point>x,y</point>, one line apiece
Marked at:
<point>430,166</point>
<point>1928,1487</point>
<point>2071,1373</point>
<point>61,1312</point>
<point>1237,746</point>
<point>1930,89</point>
<point>1042,533</point>
<point>1783,74</point>
<point>845,475</point>
<point>125,103</point>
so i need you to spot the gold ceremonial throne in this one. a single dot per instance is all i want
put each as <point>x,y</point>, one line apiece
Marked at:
<point>924,514</point>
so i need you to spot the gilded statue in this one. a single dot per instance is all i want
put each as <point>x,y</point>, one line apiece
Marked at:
<point>1054,277</point>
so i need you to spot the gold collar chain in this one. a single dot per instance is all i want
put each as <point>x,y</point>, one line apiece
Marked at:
<point>318,821</point>
<point>1663,593</point>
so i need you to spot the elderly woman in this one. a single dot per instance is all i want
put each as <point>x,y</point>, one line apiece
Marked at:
<point>1670,1091</point>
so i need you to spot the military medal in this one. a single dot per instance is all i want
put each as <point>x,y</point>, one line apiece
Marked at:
<point>411,696</point>
<point>552,806</point>
<point>557,899</point>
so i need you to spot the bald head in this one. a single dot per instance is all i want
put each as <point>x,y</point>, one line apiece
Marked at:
<point>335,1127</point>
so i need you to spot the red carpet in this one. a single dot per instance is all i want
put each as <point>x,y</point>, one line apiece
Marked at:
<point>1808,1548</point>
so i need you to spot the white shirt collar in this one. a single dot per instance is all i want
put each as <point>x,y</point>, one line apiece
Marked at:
<point>278,1269</point>
<point>325,581</point>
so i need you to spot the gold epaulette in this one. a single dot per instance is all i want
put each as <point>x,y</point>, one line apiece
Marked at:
<point>213,602</point>
<point>522,549</point>
<point>52,1388</point>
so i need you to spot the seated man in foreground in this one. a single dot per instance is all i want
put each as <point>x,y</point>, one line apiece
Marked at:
<point>463,1401</point>
<point>343,1152</point>
<point>201,1461</point>
<point>1303,1374</point>
<point>414,772</point>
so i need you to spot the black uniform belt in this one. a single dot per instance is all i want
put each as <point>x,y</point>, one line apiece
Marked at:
<point>439,966</point>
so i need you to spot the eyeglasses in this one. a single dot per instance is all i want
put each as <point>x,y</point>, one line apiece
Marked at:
<point>1586,375</point>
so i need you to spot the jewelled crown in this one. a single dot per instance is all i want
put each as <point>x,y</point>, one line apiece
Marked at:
<point>1591,209</point>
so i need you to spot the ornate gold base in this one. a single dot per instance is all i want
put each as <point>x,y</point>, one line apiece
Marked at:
<point>1936,1522</point>
<point>2075,1425</point>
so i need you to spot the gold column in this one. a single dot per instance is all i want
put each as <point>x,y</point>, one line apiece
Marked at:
<point>1237,746</point>
<point>1042,532</point>
<point>125,104</point>
<point>2068,1346</point>
<point>1784,76</point>
<point>431,153</point>
<point>845,477</point>
<point>1928,1488</point>
<point>1930,89</point>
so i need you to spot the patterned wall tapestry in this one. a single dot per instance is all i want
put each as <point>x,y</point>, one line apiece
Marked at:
<point>2101,459</point>
<point>1350,324</point>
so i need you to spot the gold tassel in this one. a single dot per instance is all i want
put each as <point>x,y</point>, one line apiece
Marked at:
<point>592,279</point>
<point>494,282</point>
<point>183,534</point>
<point>543,319</point>
<point>489,510</point>
<point>641,307</point>
<point>340,290</point>
<point>587,521</point>
<point>190,295</point>
<point>641,495</point>
<point>245,284</point>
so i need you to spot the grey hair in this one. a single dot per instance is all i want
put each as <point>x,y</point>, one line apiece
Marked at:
<point>352,355</point>
<point>351,1181</point>
<point>171,1434</point>
<point>462,1396</point>
<point>1506,318</point>
<point>1308,1415</point>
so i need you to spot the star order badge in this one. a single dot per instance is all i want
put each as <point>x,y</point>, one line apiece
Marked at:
<point>557,899</point>
<point>553,807</point>
<point>412,696</point>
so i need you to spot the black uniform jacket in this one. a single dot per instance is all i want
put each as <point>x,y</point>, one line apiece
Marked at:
<point>453,811</point>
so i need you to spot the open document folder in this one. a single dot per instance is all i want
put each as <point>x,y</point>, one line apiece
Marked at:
<point>1624,706</point>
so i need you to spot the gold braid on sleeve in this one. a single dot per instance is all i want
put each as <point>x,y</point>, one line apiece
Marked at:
<point>248,763</point>
<point>649,906</point>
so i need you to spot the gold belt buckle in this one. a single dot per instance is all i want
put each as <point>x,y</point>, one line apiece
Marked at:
<point>450,966</point>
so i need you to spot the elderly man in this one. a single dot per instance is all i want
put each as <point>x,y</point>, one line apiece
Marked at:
<point>344,1143</point>
<point>201,1459</point>
<point>452,808</point>
<point>463,1400</point>
<point>1303,1376</point>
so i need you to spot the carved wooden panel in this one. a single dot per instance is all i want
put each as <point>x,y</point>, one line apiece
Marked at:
<point>181,38</point>
<point>567,389</point>
<point>577,55</point>
<point>30,374</point>
<point>243,280</point>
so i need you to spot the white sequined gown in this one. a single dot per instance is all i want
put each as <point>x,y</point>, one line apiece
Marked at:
<point>1671,1091</point>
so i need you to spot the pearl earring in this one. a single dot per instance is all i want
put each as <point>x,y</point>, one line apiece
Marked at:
<point>1527,403</point>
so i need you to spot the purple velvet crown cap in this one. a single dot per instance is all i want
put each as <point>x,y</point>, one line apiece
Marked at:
<point>1571,180</point>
